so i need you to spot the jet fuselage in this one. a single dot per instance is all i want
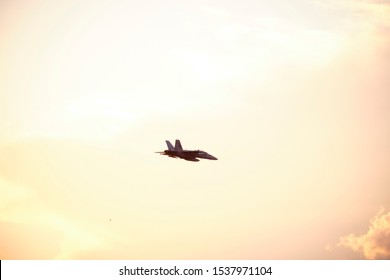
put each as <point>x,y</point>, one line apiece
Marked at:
<point>190,155</point>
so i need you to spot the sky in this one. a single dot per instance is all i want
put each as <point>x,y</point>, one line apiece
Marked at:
<point>292,97</point>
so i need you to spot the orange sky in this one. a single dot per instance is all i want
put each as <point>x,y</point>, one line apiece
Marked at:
<point>292,97</point>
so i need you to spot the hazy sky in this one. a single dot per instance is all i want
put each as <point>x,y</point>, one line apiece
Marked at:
<point>293,97</point>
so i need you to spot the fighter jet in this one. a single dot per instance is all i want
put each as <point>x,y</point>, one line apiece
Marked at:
<point>190,155</point>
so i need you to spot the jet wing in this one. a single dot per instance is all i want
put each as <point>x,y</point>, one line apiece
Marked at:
<point>190,153</point>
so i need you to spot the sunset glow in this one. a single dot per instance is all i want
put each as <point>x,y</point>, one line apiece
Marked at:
<point>292,97</point>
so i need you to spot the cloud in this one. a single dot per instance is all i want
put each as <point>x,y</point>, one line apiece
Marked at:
<point>32,230</point>
<point>358,14</point>
<point>384,2</point>
<point>375,243</point>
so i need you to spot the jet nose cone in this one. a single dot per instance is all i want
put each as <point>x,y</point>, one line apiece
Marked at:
<point>212,157</point>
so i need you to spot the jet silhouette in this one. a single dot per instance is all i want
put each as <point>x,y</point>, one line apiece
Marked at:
<point>190,155</point>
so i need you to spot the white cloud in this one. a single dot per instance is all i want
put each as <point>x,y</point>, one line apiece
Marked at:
<point>375,243</point>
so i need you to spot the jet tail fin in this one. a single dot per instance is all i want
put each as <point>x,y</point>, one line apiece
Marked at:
<point>178,146</point>
<point>170,146</point>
